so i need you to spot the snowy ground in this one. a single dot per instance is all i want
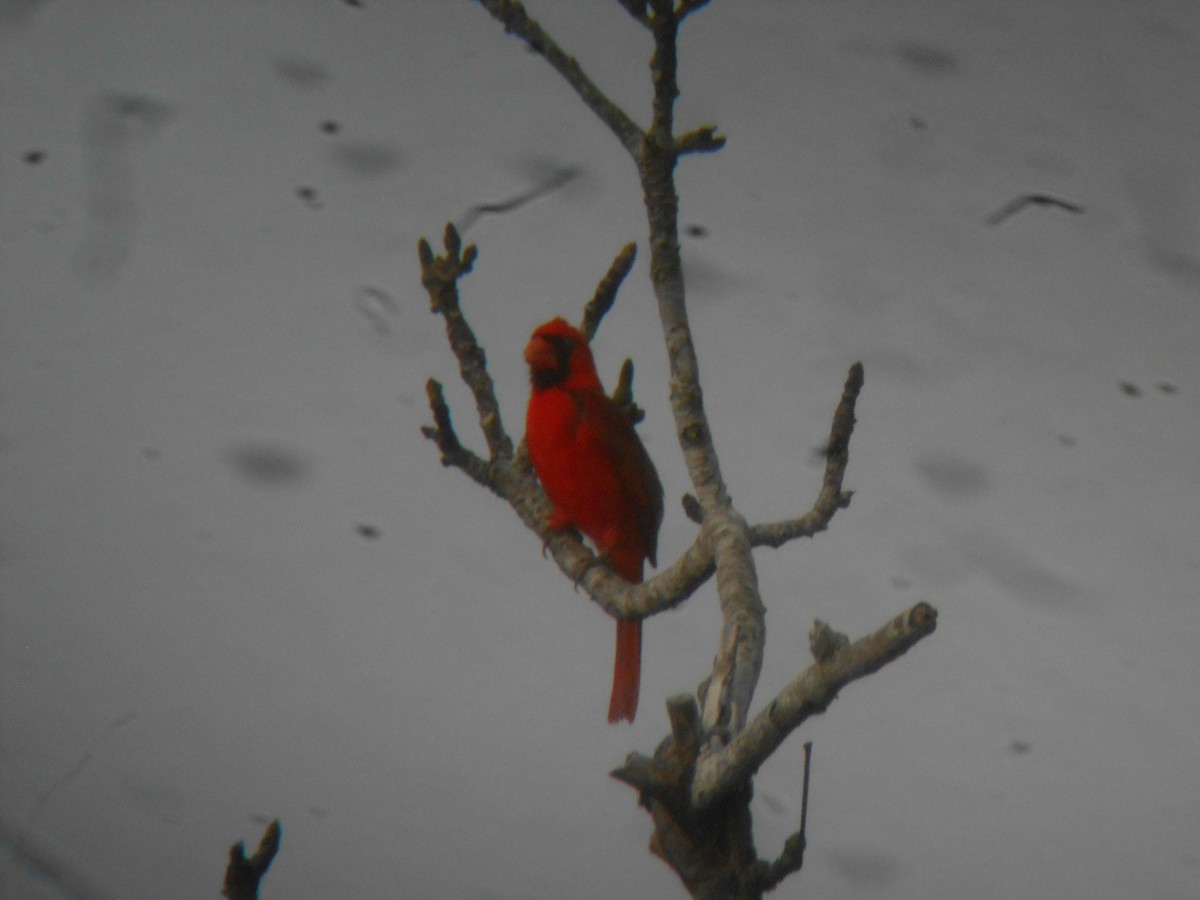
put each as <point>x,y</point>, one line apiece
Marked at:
<point>236,584</point>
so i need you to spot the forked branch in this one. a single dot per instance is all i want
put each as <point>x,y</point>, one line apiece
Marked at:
<point>838,662</point>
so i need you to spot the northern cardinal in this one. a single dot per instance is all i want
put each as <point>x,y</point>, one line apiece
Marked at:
<point>597,474</point>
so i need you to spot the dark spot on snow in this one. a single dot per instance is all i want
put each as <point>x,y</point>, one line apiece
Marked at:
<point>370,532</point>
<point>1176,264</point>
<point>710,280</point>
<point>267,464</point>
<point>1066,440</point>
<point>357,4</point>
<point>773,803</point>
<point>309,195</point>
<point>900,583</point>
<point>377,306</point>
<point>1015,570</point>
<point>16,14</point>
<point>368,159</point>
<point>329,126</point>
<point>115,125</point>
<point>1166,387</point>
<point>865,867</point>
<point>1129,389</point>
<point>926,59</point>
<point>33,157</point>
<point>162,801</point>
<point>302,74</point>
<point>954,478</point>
<point>696,231</point>
<point>917,123</point>
<point>151,452</point>
<point>148,111</point>
<point>1018,747</point>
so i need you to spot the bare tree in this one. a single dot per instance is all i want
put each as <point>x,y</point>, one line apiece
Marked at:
<point>697,785</point>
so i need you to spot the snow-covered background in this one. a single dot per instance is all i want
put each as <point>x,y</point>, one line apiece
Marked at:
<point>236,583</point>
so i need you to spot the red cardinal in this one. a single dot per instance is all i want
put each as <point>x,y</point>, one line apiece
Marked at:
<point>597,474</point>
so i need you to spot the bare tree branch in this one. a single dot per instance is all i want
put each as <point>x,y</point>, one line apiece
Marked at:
<point>664,22</point>
<point>623,393</point>
<point>242,876</point>
<point>442,433</point>
<point>672,585</point>
<point>791,858</point>
<point>511,13</point>
<point>439,275</point>
<point>839,663</point>
<point>832,497</point>
<point>606,291</point>
<point>699,794</point>
<point>739,656</point>
<point>701,140</point>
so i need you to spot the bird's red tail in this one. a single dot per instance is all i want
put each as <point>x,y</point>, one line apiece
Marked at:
<point>627,671</point>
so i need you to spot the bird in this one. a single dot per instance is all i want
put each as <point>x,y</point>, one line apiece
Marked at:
<point>597,474</point>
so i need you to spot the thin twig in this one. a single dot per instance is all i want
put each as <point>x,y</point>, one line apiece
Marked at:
<point>831,497</point>
<point>701,140</point>
<point>808,745</point>
<point>442,433</point>
<point>606,291</point>
<point>790,860</point>
<point>511,13</point>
